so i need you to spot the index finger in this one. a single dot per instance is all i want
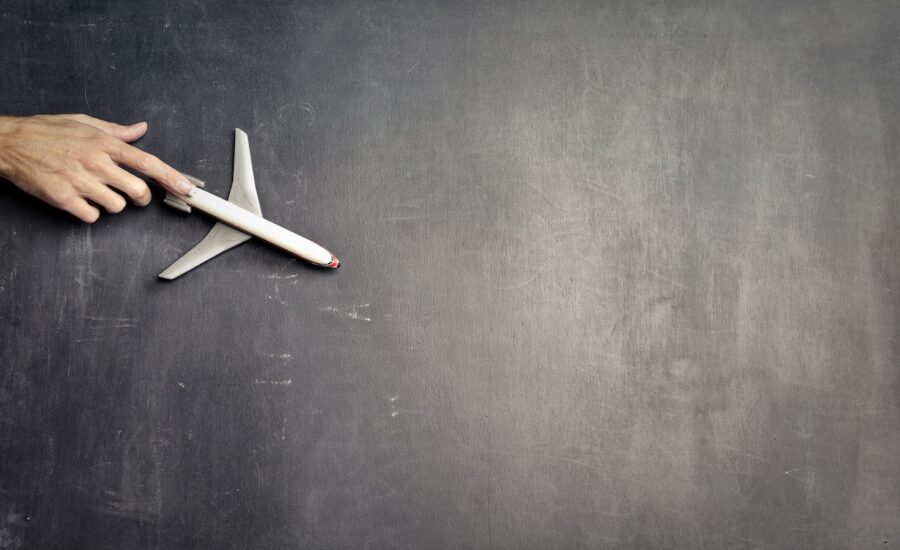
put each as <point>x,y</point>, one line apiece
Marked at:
<point>149,165</point>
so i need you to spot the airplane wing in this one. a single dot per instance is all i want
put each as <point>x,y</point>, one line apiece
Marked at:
<point>222,237</point>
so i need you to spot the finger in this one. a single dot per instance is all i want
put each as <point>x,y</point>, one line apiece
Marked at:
<point>105,197</point>
<point>149,165</point>
<point>129,184</point>
<point>127,133</point>
<point>82,210</point>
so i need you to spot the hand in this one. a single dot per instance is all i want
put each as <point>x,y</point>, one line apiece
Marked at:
<point>74,162</point>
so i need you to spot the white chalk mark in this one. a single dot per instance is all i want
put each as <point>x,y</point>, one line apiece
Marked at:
<point>393,400</point>
<point>112,319</point>
<point>411,69</point>
<point>309,109</point>
<point>287,382</point>
<point>351,313</point>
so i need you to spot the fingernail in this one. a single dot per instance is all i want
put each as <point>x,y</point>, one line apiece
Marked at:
<point>184,187</point>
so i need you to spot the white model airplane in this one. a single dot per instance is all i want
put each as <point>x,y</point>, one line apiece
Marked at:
<point>240,218</point>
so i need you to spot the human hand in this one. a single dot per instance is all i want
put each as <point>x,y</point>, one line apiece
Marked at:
<point>74,162</point>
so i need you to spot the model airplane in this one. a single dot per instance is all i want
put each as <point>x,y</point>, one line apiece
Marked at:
<point>240,218</point>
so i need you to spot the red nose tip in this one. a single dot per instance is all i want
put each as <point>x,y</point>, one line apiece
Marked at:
<point>334,262</point>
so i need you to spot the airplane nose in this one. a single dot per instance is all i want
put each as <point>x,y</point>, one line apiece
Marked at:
<point>334,262</point>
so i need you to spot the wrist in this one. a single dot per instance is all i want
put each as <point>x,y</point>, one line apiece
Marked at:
<point>7,125</point>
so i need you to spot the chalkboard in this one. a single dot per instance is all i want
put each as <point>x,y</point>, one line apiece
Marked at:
<point>614,275</point>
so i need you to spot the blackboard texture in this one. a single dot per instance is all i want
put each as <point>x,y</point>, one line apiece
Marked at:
<point>615,275</point>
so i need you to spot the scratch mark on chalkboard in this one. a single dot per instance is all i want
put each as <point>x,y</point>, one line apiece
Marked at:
<point>540,456</point>
<point>278,276</point>
<point>404,217</point>
<point>259,382</point>
<point>309,109</point>
<point>739,452</point>
<point>662,278</point>
<point>284,356</point>
<point>123,508</point>
<point>411,69</point>
<point>401,218</point>
<point>101,324</point>
<point>518,285</point>
<point>87,82</point>
<point>352,313</point>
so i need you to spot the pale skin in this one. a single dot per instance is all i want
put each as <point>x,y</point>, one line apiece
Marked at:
<point>76,163</point>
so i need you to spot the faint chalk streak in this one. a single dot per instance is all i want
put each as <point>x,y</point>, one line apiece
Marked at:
<point>259,382</point>
<point>350,313</point>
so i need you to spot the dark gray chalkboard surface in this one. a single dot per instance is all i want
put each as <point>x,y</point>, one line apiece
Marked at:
<point>615,275</point>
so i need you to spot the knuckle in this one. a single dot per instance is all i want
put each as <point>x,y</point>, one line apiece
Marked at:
<point>91,164</point>
<point>141,192</point>
<point>80,183</point>
<point>61,198</point>
<point>108,143</point>
<point>146,161</point>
